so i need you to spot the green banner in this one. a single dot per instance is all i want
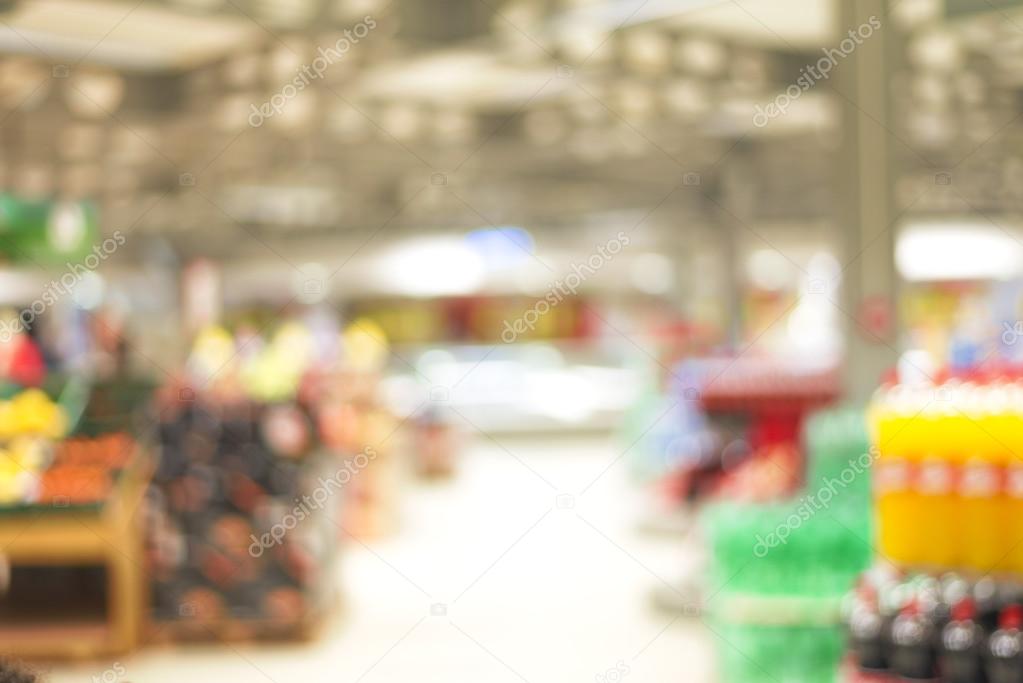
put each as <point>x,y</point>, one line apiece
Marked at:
<point>45,232</point>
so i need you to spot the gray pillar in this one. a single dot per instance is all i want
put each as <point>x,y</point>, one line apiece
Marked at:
<point>865,195</point>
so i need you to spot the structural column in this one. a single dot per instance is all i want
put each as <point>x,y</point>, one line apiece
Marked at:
<point>865,194</point>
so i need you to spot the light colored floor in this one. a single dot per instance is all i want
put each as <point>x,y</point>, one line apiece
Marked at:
<point>493,577</point>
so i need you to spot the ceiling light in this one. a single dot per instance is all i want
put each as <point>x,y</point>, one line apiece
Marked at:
<point>912,13</point>
<point>769,270</point>
<point>286,61</point>
<point>431,266</point>
<point>962,250</point>
<point>648,51</point>
<point>652,273</point>
<point>580,42</point>
<point>701,56</point>
<point>95,94</point>
<point>936,49</point>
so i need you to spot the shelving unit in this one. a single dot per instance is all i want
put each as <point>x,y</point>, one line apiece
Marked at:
<point>108,536</point>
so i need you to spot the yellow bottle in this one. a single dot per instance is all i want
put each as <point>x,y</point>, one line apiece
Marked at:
<point>889,416</point>
<point>898,509</point>
<point>1012,515</point>
<point>937,507</point>
<point>982,513</point>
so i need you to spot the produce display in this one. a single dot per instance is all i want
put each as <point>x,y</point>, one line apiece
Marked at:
<point>31,413</point>
<point>242,514</point>
<point>84,469</point>
<point>264,449</point>
<point>30,424</point>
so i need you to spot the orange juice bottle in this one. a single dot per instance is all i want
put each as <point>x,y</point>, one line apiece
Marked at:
<point>898,509</point>
<point>936,515</point>
<point>1012,515</point>
<point>889,416</point>
<point>982,509</point>
<point>989,425</point>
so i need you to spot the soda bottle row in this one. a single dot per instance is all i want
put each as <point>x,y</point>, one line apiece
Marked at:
<point>947,629</point>
<point>948,475</point>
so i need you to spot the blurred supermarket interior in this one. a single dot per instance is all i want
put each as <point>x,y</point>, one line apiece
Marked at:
<point>511,340</point>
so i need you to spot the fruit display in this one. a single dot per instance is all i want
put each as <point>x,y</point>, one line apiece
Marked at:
<point>264,446</point>
<point>949,629</point>
<point>948,483</point>
<point>32,413</point>
<point>30,423</point>
<point>242,515</point>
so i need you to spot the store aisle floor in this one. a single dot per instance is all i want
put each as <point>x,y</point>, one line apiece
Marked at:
<point>525,567</point>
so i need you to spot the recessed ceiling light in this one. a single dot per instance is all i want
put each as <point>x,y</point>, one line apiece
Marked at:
<point>701,56</point>
<point>94,94</point>
<point>936,49</point>
<point>647,50</point>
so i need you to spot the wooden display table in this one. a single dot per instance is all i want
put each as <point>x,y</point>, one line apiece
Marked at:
<point>107,535</point>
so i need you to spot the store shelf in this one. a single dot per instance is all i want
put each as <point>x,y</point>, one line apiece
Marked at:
<point>108,536</point>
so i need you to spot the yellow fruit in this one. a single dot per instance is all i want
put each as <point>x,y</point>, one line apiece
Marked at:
<point>32,412</point>
<point>30,453</point>
<point>7,420</point>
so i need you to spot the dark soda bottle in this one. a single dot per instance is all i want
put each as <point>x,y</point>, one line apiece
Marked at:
<point>985,595</point>
<point>962,641</point>
<point>866,632</point>
<point>913,637</point>
<point>1005,647</point>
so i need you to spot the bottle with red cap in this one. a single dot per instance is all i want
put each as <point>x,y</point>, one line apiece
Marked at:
<point>866,632</point>
<point>1005,647</point>
<point>961,649</point>
<point>913,638</point>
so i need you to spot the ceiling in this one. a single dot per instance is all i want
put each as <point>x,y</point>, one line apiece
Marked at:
<point>130,36</point>
<point>547,113</point>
